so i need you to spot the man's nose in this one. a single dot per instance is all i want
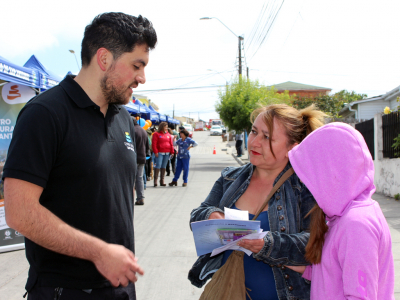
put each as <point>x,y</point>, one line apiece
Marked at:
<point>141,78</point>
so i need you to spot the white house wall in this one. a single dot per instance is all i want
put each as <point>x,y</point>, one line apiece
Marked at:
<point>367,110</point>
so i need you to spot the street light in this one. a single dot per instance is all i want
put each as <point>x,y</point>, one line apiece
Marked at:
<point>239,38</point>
<point>73,52</point>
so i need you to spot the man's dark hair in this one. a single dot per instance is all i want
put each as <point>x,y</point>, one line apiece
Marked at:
<point>118,33</point>
<point>185,132</point>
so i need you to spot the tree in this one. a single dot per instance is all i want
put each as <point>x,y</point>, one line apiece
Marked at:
<point>331,105</point>
<point>238,100</point>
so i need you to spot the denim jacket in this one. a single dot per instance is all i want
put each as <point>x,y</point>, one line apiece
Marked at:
<point>288,236</point>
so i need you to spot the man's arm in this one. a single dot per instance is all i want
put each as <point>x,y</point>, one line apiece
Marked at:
<point>25,214</point>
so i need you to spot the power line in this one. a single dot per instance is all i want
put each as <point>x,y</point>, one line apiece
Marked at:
<point>186,88</point>
<point>269,28</point>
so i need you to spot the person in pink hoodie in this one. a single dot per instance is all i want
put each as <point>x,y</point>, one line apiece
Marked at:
<point>351,253</point>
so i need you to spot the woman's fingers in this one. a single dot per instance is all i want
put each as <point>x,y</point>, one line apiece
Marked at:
<point>254,246</point>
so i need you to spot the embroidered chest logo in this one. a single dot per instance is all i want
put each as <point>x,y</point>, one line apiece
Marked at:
<point>128,142</point>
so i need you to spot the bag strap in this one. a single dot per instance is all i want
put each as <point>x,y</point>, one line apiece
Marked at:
<point>284,177</point>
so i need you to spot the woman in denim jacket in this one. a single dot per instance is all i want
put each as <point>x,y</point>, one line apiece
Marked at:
<point>276,129</point>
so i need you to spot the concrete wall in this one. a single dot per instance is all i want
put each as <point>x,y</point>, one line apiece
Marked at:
<point>387,170</point>
<point>387,176</point>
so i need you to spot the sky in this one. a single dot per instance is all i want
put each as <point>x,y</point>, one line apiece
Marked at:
<point>339,44</point>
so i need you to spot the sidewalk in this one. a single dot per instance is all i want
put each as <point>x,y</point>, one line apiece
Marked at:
<point>391,210</point>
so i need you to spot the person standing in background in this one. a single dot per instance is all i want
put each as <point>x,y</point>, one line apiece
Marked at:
<point>162,148</point>
<point>172,158</point>
<point>239,142</point>
<point>185,144</point>
<point>142,147</point>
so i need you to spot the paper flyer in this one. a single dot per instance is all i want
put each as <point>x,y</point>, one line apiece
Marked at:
<point>211,234</point>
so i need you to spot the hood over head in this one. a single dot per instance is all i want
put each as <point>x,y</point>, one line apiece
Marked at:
<point>336,166</point>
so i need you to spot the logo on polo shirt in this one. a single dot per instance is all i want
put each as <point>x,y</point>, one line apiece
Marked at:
<point>128,137</point>
<point>129,144</point>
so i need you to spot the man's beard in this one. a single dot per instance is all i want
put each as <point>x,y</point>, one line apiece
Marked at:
<point>112,93</point>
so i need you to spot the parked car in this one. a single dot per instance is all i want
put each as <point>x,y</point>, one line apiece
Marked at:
<point>216,130</point>
<point>189,128</point>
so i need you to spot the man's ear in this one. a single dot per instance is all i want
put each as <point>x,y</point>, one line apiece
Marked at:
<point>104,58</point>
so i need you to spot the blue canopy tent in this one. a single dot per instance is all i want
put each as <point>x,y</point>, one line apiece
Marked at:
<point>173,121</point>
<point>21,75</point>
<point>154,116</point>
<point>162,118</point>
<point>47,79</point>
<point>132,108</point>
<point>143,110</point>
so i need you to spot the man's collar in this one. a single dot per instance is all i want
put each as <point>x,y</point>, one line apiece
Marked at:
<point>76,93</point>
<point>79,96</point>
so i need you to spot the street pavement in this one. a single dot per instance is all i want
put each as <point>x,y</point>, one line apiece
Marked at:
<point>164,242</point>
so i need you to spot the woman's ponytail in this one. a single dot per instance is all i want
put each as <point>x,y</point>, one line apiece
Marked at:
<point>318,228</point>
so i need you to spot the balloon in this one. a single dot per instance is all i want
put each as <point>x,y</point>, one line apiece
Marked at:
<point>146,126</point>
<point>137,118</point>
<point>141,122</point>
<point>149,122</point>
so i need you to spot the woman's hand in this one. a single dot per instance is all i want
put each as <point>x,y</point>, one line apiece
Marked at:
<point>298,269</point>
<point>156,154</point>
<point>189,147</point>
<point>254,246</point>
<point>216,215</point>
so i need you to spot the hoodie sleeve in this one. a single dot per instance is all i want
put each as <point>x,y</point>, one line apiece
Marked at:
<point>358,254</point>
<point>289,248</point>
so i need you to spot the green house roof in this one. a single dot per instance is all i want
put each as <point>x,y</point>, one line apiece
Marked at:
<point>290,85</point>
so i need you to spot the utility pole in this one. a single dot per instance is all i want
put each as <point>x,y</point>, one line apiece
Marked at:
<point>247,73</point>
<point>173,111</point>
<point>240,55</point>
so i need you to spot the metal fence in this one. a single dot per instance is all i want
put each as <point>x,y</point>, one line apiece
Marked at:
<point>367,130</point>
<point>390,130</point>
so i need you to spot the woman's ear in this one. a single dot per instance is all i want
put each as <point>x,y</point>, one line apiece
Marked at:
<point>290,148</point>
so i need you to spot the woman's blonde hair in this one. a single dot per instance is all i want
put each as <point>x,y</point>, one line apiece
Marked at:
<point>297,123</point>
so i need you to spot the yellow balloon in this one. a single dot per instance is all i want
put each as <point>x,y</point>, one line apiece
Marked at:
<point>146,126</point>
<point>149,122</point>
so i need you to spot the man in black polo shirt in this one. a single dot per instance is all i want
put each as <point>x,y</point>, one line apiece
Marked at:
<point>70,170</point>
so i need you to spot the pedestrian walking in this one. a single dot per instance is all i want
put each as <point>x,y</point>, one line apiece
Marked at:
<point>162,147</point>
<point>70,193</point>
<point>239,143</point>
<point>142,148</point>
<point>275,130</point>
<point>351,253</point>
<point>185,143</point>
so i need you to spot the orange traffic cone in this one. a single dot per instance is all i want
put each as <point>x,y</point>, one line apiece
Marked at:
<point>214,151</point>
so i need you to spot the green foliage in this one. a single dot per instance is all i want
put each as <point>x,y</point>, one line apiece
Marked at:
<point>397,196</point>
<point>396,145</point>
<point>238,100</point>
<point>330,104</point>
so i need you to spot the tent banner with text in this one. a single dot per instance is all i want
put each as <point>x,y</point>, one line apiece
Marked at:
<point>13,97</point>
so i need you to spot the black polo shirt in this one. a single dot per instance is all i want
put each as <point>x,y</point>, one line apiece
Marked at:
<point>86,164</point>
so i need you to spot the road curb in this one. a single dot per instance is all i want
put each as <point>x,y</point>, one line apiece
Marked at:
<point>239,161</point>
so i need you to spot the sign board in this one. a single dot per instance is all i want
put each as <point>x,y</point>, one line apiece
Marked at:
<point>13,97</point>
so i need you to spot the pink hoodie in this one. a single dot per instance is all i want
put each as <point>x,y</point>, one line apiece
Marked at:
<point>357,262</point>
